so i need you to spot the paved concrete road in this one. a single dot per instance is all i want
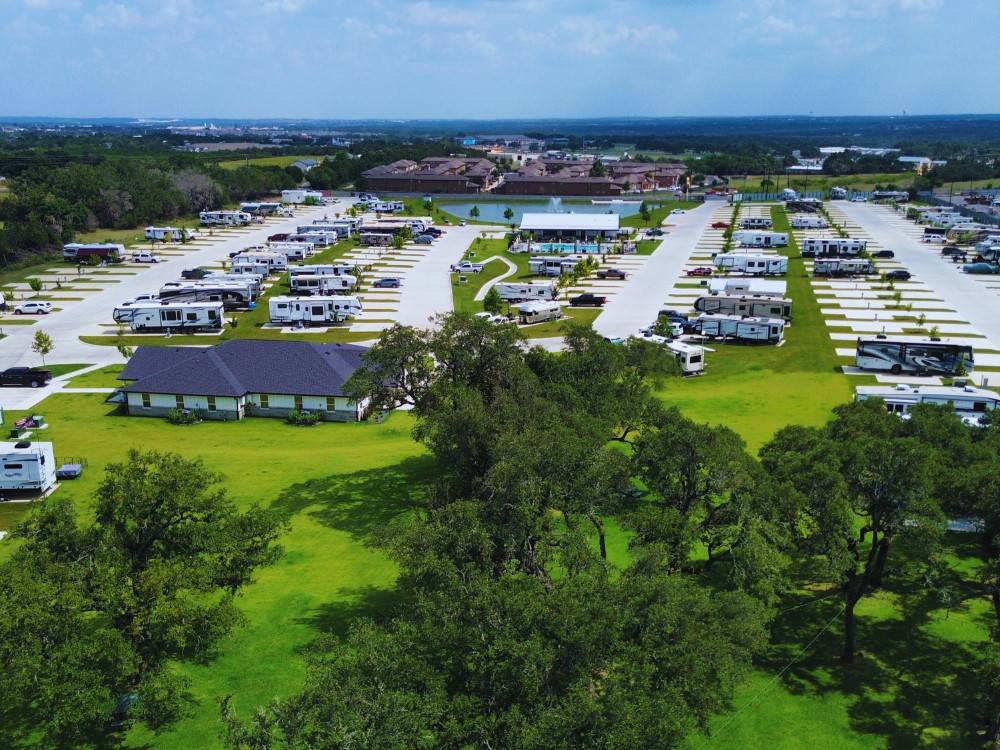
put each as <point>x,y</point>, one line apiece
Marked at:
<point>963,294</point>
<point>637,304</point>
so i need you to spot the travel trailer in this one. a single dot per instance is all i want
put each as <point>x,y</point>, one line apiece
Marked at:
<point>743,287</point>
<point>232,295</point>
<point>690,357</point>
<point>315,310</point>
<point>323,285</point>
<point>816,246</point>
<point>253,283</point>
<point>381,206</point>
<point>340,230</point>
<point>171,315</point>
<point>969,402</point>
<point>27,466</point>
<point>375,239</point>
<point>738,328</point>
<point>755,222</point>
<point>538,312</point>
<point>765,307</point>
<point>167,234</point>
<point>81,251</point>
<point>261,209</point>
<point>754,238</point>
<point>273,261</point>
<point>294,250</point>
<point>513,292</point>
<point>335,269</point>
<point>914,356</point>
<point>809,222</point>
<point>752,263</point>
<point>301,196</point>
<point>553,265</point>
<point>224,218</point>
<point>838,194</point>
<point>842,267</point>
<point>318,237</point>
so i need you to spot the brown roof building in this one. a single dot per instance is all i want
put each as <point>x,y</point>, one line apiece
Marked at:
<point>438,174</point>
<point>572,177</point>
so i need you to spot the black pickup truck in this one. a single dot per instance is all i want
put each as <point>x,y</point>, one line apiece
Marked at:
<point>587,300</point>
<point>25,377</point>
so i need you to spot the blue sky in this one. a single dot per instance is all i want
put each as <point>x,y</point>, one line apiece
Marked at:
<point>495,58</point>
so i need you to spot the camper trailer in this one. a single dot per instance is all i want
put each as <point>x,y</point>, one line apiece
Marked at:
<point>842,267</point>
<point>294,250</point>
<point>744,287</point>
<point>764,307</point>
<point>809,222</point>
<point>381,206</point>
<point>752,263</point>
<point>335,269</point>
<point>838,194</point>
<point>969,402</point>
<point>375,239</point>
<point>313,310</point>
<point>553,265</point>
<point>224,218</point>
<point>755,238</point>
<point>301,196</point>
<point>167,234</point>
<point>690,357</point>
<point>538,312</point>
<point>755,222</point>
<point>513,292</point>
<point>738,328</point>
<point>340,230</point>
<point>272,260</point>
<point>813,247</point>
<point>323,285</point>
<point>260,209</point>
<point>171,315</point>
<point>81,251</point>
<point>27,466</point>
<point>253,283</point>
<point>232,294</point>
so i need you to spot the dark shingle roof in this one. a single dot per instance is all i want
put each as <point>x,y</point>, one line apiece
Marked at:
<point>241,366</point>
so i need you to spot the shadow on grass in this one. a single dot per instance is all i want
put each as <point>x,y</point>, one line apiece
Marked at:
<point>371,602</point>
<point>363,502</point>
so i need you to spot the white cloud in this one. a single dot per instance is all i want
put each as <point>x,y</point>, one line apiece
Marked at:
<point>593,37</point>
<point>111,16</point>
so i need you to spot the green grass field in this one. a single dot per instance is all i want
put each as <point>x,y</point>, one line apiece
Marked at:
<point>264,161</point>
<point>658,215</point>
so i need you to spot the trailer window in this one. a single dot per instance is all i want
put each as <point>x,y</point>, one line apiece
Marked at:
<point>212,315</point>
<point>11,467</point>
<point>171,315</point>
<point>694,359</point>
<point>192,316</point>
<point>978,406</point>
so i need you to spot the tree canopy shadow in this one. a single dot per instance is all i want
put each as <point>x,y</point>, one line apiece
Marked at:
<point>371,602</point>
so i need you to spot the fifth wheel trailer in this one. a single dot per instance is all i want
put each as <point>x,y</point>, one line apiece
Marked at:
<point>753,263</point>
<point>512,292</point>
<point>842,267</point>
<point>819,246</point>
<point>757,238</point>
<point>224,218</point>
<point>313,310</point>
<point>766,307</point>
<point>756,330</point>
<point>171,315</point>
<point>809,222</point>
<point>322,285</point>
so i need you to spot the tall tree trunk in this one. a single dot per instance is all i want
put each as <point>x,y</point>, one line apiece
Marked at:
<point>850,628</point>
<point>599,525</point>
<point>880,558</point>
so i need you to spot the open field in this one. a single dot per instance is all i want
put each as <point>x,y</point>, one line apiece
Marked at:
<point>810,182</point>
<point>264,161</point>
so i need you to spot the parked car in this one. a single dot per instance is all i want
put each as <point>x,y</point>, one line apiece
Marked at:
<point>588,299</point>
<point>467,266</point>
<point>141,299</point>
<point>678,211</point>
<point>654,232</point>
<point>884,254</point>
<point>899,275</point>
<point>491,318</point>
<point>720,225</point>
<point>144,257</point>
<point>612,273</point>
<point>33,308</point>
<point>617,340</point>
<point>952,250</point>
<point>859,199</point>
<point>387,283</point>
<point>25,377</point>
<point>673,315</point>
<point>195,273</point>
<point>462,223</point>
<point>700,271</point>
<point>423,239</point>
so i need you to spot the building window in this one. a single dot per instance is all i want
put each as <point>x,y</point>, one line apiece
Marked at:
<point>211,403</point>
<point>264,401</point>
<point>145,401</point>
<point>298,403</point>
<point>179,401</point>
<point>331,403</point>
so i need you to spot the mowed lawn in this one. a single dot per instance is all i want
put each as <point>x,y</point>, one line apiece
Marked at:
<point>266,161</point>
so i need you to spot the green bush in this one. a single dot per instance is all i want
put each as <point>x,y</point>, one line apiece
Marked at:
<point>183,416</point>
<point>302,418</point>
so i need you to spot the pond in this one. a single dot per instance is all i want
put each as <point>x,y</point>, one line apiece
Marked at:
<point>492,210</point>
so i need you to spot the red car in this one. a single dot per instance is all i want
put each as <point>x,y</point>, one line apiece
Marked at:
<point>720,225</point>
<point>701,271</point>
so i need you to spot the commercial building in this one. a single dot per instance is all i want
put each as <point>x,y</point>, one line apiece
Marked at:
<point>571,225</point>
<point>438,174</point>
<point>557,176</point>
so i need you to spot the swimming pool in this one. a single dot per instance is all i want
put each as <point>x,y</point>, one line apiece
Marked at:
<point>565,247</point>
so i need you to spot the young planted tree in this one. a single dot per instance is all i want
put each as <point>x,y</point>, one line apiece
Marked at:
<point>42,344</point>
<point>35,284</point>
<point>493,302</point>
<point>474,212</point>
<point>508,213</point>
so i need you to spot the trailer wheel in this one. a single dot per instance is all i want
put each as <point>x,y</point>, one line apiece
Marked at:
<point>895,369</point>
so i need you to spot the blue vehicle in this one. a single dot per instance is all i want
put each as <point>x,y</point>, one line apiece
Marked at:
<point>386,283</point>
<point>981,268</point>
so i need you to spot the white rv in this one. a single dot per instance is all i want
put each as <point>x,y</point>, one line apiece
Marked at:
<point>765,307</point>
<point>809,222</point>
<point>513,292</point>
<point>318,237</point>
<point>313,310</point>
<point>755,222</point>
<point>224,218</point>
<point>969,402</point>
<point>538,312</point>
<point>272,260</point>
<point>842,267</point>
<point>322,285</point>
<point>756,238</point>
<point>171,315</point>
<point>339,229</point>
<point>301,196</point>
<point>747,286</point>
<point>260,209</point>
<point>294,250</point>
<point>553,265</point>
<point>838,194</point>
<point>384,207</point>
<point>27,466</point>
<point>753,263</point>
<point>167,234</point>
<point>816,246</point>
<point>760,330</point>
<point>334,269</point>
<point>691,358</point>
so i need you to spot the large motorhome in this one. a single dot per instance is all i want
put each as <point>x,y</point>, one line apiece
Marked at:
<point>294,250</point>
<point>315,310</point>
<point>538,312</point>
<point>765,307</point>
<point>375,239</point>
<point>690,357</point>
<point>322,285</point>
<point>230,294</point>
<point>27,466</point>
<point>381,206</point>
<point>553,265</point>
<point>969,402</point>
<point>842,267</point>
<point>273,260</point>
<point>817,246</point>
<point>173,316</point>
<point>80,251</point>
<point>325,269</point>
<point>914,356</point>
<point>738,328</point>
<point>224,218</point>
<point>339,229</point>
<point>514,292</point>
<point>301,196</point>
<point>755,222</point>
<point>167,234</point>
<point>753,263</point>
<point>809,222</point>
<point>758,238</point>
<point>260,209</point>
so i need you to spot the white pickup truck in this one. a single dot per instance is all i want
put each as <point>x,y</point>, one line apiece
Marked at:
<point>467,266</point>
<point>144,256</point>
